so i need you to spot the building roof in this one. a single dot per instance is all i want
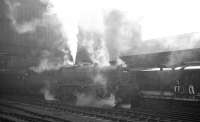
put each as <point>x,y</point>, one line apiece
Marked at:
<point>164,59</point>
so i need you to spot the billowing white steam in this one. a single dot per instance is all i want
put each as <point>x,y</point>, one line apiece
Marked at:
<point>121,63</point>
<point>121,34</point>
<point>113,39</point>
<point>20,28</point>
<point>91,100</point>
<point>49,62</point>
<point>46,92</point>
<point>95,46</point>
<point>46,65</point>
<point>64,32</point>
<point>118,35</point>
<point>99,79</point>
<point>116,38</point>
<point>68,22</point>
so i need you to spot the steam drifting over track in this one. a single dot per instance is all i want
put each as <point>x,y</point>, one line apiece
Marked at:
<point>29,109</point>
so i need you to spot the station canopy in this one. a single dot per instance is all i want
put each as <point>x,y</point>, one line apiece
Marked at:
<point>170,59</point>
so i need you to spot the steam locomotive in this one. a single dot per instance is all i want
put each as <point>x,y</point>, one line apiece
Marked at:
<point>128,87</point>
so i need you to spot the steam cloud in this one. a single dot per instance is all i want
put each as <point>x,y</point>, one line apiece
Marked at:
<point>91,100</point>
<point>121,35</point>
<point>34,23</point>
<point>46,91</point>
<point>37,23</point>
<point>98,95</point>
<point>47,94</point>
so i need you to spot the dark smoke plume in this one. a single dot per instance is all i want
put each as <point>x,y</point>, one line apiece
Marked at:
<point>34,27</point>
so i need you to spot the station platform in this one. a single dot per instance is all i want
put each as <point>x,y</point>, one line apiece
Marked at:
<point>170,96</point>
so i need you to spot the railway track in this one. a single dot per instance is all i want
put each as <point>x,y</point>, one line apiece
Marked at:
<point>101,113</point>
<point>24,115</point>
<point>184,115</point>
<point>116,115</point>
<point>141,115</point>
<point>20,117</point>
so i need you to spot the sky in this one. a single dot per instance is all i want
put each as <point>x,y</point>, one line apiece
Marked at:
<point>158,18</point>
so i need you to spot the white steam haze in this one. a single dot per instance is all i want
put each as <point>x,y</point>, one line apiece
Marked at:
<point>47,92</point>
<point>107,29</point>
<point>90,100</point>
<point>100,79</point>
<point>128,27</point>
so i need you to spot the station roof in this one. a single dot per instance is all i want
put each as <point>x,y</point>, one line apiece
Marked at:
<point>164,59</point>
